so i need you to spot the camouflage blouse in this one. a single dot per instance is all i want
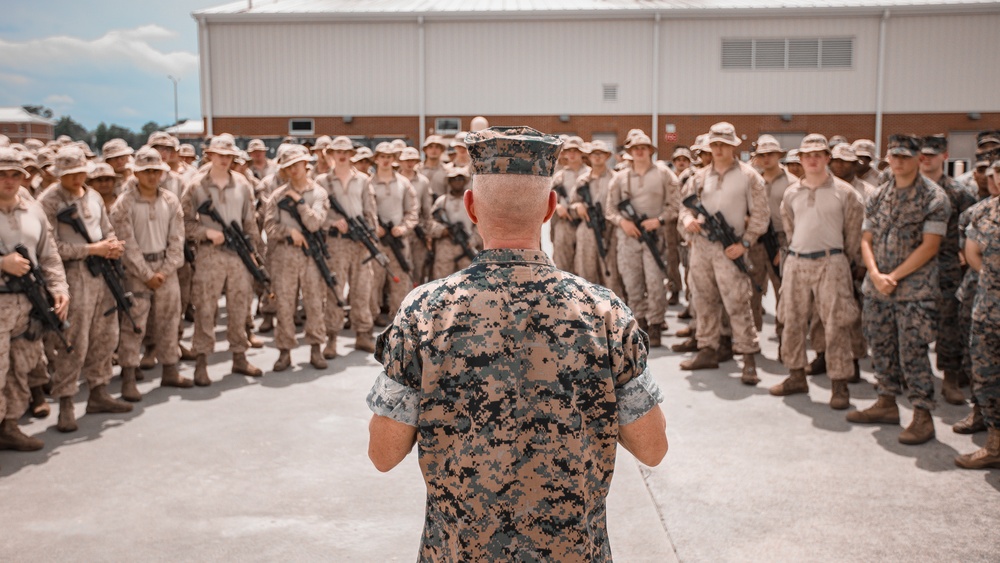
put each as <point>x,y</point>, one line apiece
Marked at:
<point>517,376</point>
<point>985,230</point>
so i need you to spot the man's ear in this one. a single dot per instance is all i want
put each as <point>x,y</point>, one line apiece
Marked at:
<point>470,206</point>
<point>552,205</point>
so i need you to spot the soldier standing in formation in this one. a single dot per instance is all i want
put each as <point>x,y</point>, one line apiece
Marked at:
<point>398,212</point>
<point>409,159</point>
<point>449,256</point>
<point>588,263</point>
<point>565,222</point>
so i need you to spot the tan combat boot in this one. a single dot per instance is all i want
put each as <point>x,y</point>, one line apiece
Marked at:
<point>707,358</point>
<point>818,365</point>
<point>643,325</point>
<point>39,407</point>
<point>856,378</point>
<point>655,336</point>
<point>254,341</point>
<point>172,378</point>
<point>884,411</point>
<point>243,367</point>
<point>186,354</point>
<point>689,345</point>
<point>330,350</point>
<point>284,360</point>
<point>148,360</point>
<point>267,325</point>
<point>949,389</point>
<point>972,423</point>
<point>129,390</point>
<point>316,358</point>
<point>100,401</point>
<point>365,342</point>
<point>11,438</point>
<point>687,332</point>
<point>920,430</point>
<point>201,378</point>
<point>749,375</point>
<point>840,396</point>
<point>725,352</point>
<point>67,415</point>
<point>985,457</point>
<point>794,384</point>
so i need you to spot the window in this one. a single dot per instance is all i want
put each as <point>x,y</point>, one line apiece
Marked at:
<point>610,92</point>
<point>799,53</point>
<point>301,127</point>
<point>447,125</point>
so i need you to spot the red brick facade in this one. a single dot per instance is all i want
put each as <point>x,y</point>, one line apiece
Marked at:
<point>19,132</point>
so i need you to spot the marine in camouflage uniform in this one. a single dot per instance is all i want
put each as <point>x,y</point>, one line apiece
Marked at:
<point>521,368</point>
<point>565,222</point>
<point>433,167</point>
<point>449,257</point>
<point>118,155</point>
<point>776,180</point>
<point>588,263</point>
<point>409,159</point>
<point>905,221</point>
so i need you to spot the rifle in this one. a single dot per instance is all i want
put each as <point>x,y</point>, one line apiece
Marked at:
<point>396,245</point>
<point>32,285</point>
<point>189,253</point>
<point>239,242</point>
<point>111,270</point>
<point>718,230</point>
<point>648,237</point>
<point>315,247</point>
<point>561,192</point>
<point>596,223</point>
<point>458,235</point>
<point>429,258</point>
<point>772,246</point>
<point>359,231</point>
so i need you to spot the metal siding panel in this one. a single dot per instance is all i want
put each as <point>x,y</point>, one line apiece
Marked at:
<point>543,68</point>
<point>693,82</point>
<point>939,64</point>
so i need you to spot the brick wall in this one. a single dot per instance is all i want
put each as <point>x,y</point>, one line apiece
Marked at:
<point>18,132</point>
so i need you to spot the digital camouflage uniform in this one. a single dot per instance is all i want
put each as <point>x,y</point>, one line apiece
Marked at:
<point>517,376</point>
<point>900,326</point>
<point>966,293</point>
<point>984,342</point>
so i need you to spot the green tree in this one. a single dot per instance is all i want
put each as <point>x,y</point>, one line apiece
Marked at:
<point>101,135</point>
<point>67,126</point>
<point>40,111</point>
<point>148,129</point>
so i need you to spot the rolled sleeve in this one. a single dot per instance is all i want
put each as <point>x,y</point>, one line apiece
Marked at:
<point>935,228</point>
<point>394,400</point>
<point>637,397</point>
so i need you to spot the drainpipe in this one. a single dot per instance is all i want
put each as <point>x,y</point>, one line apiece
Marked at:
<point>654,134</point>
<point>880,82</point>
<point>421,82</point>
<point>206,76</point>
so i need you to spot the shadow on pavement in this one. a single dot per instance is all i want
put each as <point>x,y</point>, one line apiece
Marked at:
<point>933,456</point>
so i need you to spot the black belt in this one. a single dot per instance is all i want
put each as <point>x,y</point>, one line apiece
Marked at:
<point>816,255</point>
<point>154,256</point>
<point>4,290</point>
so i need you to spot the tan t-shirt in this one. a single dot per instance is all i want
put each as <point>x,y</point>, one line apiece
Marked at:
<point>823,218</point>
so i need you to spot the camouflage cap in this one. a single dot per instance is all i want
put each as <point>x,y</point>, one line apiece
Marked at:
<point>363,153</point>
<point>187,150</point>
<point>223,144</point>
<point>397,146</point>
<point>101,170</point>
<point>10,159</point>
<point>995,167</point>
<point>983,158</point>
<point>573,142</point>
<point>682,152</point>
<point>459,140</point>
<point>148,158</point>
<point>434,140</point>
<point>987,137</point>
<point>456,171</point>
<point>293,154</point>
<point>70,160</point>
<point>864,147</point>
<point>322,143</point>
<point>34,145</point>
<point>792,156</point>
<point>836,140</point>
<point>844,152</point>
<point>384,148</point>
<point>904,145</point>
<point>639,139</point>
<point>409,153</point>
<point>513,150</point>
<point>163,139</point>
<point>341,143</point>
<point>598,145</point>
<point>115,148</point>
<point>934,144</point>
<point>814,142</point>
<point>767,144</point>
<point>4,141</point>
<point>256,145</point>
<point>723,132</point>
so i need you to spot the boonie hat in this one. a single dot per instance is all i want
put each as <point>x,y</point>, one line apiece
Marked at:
<point>363,153</point>
<point>409,153</point>
<point>598,145</point>
<point>864,147</point>
<point>70,160</point>
<point>186,150</point>
<point>384,148</point>
<point>573,142</point>
<point>101,170</point>
<point>723,132</point>
<point>513,150</point>
<point>223,144</point>
<point>836,140</point>
<point>680,152</point>
<point>814,142</point>
<point>844,152</point>
<point>456,171</point>
<point>10,159</point>
<point>163,139</point>
<point>115,148</point>
<point>322,143</point>
<point>459,140</point>
<point>434,140</point>
<point>293,154</point>
<point>792,156</point>
<point>148,158</point>
<point>767,144</point>
<point>638,140</point>
<point>341,143</point>
<point>256,145</point>
<point>397,146</point>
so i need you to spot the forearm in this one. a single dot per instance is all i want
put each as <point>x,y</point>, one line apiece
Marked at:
<point>867,254</point>
<point>924,253</point>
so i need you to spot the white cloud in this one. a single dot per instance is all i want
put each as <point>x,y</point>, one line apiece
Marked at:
<point>10,78</point>
<point>59,101</point>
<point>115,46</point>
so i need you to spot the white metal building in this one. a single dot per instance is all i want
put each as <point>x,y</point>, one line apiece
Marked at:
<point>864,68</point>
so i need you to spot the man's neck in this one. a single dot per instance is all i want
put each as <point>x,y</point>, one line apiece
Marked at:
<point>770,174</point>
<point>148,192</point>
<point>598,171</point>
<point>575,167</point>
<point>75,192</point>
<point>260,165</point>
<point>431,162</point>
<point>935,176</point>
<point>7,204</point>
<point>815,179</point>
<point>299,183</point>
<point>343,170</point>
<point>722,166</point>
<point>385,174</point>
<point>219,175</point>
<point>903,182</point>
<point>641,168</point>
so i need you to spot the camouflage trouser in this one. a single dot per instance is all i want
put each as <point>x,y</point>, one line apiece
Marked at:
<point>984,346</point>
<point>588,263</point>
<point>381,278</point>
<point>158,315</point>
<point>966,295</point>
<point>825,288</point>
<point>448,259</point>
<point>93,334</point>
<point>643,279</point>
<point>293,270</point>
<point>13,323</point>
<point>564,243</point>
<point>718,286</point>
<point>347,263</point>
<point>900,334</point>
<point>760,272</point>
<point>855,332</point>
<point>265,301</point>
<point>418,260</point>
<point>27,369</point>
<point>672,256</point>
<point>185,274</point>
<point>949,341</point>
<point>219,270</point>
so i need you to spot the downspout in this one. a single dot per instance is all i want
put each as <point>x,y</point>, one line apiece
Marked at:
<point>654,134</point>
<point>206,76</point>
<point>880,82</point>
<point>421,82</point>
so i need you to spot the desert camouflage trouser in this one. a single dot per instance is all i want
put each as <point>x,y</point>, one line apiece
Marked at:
<point>381,278</point>
<point>642,278</point>
<point>900,333</point>
<point>588,263</point>
<point>158,315</point>
<point>294,271</point>
<point>564,243</point>
<point>718,286</point>
<point>347,262</point>
<point>219,270</point>
<point>13,382</point>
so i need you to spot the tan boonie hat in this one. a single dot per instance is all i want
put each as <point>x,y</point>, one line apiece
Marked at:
<point>434,140</point>
<point>384,148</point>
<point>814,142</point>
<point>241,158</point>
<point>638,140</point>
<point>767,144</point>
<point>256,145</point>
<point>45,158</point>
<point>459,140</point>
<point>363,153</point>
<point>456,171</point>
<point>836,140</point>
<point>598,145</point>
<point>409,153</point>
<point>864,147</point>
<point>101,170</point>
<point>163,139</point>
<point>682,152</point>
<point>322,143</point>
<point>341,143</point>
<point>397,146</point>
<point>187,150</point>
<point>701,144</point>
<point>513,150</point>
<point>573,142</point>
<point>792,156</point>
<point>33,145</point>
<point>4,141</point>
<point>86,149</point>
<point>723,132</point>
<point>10,159</point>
<point>148,158</point>
<point>70,160</point>
<point>293,154</point>
<point>115,148</point>
<point>995,167</point>
<point>844,152</point>
<point>223,144</point>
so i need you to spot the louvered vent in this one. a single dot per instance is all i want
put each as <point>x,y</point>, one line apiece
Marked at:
<point>803,53</point>
<point>610,92</point>
<point>788,54</point>
<point>837,53</point>
<point>737,54</point>
<point>769,54</point>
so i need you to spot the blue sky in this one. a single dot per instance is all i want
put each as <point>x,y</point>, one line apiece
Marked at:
<point>101,60</point>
